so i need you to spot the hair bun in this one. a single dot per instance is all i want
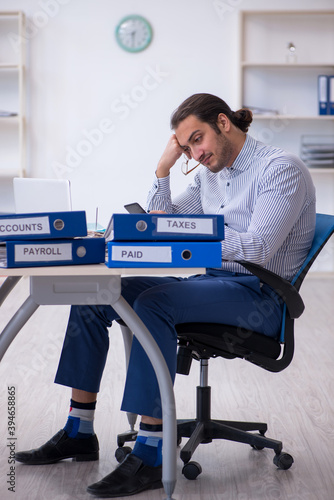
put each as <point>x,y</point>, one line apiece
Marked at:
<point>242,118</point>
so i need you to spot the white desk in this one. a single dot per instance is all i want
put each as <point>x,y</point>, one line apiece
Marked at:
<point>97,284</point>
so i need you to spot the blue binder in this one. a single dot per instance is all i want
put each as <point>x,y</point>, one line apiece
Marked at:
<point>43,225</point>
<point>323,94</point>
<point>37,253</point>
<point>164,254</point>
<point>331,95</point>
<point>165,227</point>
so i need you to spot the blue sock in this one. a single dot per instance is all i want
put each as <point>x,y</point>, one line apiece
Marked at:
<point>80,422</point>
<point>148,446</point>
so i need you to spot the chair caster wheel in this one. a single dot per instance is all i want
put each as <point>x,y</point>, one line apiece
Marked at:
<point>126,437</point>
<point>191,470</point>
<point>283,461</point>
<point>258,448</point>
<point>122,452</point>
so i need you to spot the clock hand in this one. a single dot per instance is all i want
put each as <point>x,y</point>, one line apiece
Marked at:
<point>133,33</point>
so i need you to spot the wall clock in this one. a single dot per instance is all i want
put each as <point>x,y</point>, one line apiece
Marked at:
<point>134,33</point>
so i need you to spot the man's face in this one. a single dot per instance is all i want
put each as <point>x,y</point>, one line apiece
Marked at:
<point>199,140</point>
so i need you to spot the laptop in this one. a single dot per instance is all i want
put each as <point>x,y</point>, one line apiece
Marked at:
<point>33,195</point>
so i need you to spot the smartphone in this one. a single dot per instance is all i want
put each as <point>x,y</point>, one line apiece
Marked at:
<point>134,208</point>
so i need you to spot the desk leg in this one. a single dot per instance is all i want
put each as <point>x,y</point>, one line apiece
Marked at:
<point>8,286</point>
<point>16,323</point>
<point>166,390</point>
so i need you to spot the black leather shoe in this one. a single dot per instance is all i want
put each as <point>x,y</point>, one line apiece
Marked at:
<point>131,477</point>
<point>59,447</point>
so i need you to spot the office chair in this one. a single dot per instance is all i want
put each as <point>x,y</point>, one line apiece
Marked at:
<point>202,341</point>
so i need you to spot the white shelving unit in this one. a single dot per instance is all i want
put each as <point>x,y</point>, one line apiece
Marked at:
<point>283,84</point>
<point>12,94</point>
<point>273,77</point>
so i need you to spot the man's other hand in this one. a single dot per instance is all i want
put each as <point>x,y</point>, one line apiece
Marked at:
<point>171,154</point>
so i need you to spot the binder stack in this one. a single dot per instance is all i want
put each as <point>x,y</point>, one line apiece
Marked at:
<point>48,239</point>
<point>317,151</point>
<point>163,240</point>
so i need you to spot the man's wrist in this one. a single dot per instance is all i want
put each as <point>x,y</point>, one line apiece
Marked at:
<point>162,171</point>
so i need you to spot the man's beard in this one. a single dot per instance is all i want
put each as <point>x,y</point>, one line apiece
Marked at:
<point>224,154</point>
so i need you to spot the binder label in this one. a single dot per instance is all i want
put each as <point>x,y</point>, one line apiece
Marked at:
<point>137,253</point>
<point>43,253</point>
<point>26,225</point>
<point>183,225</point>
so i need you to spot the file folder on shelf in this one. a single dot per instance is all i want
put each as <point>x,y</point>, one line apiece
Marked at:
<point>37,253</point>
<point>164,254</point>
<point>43,225</point>
<point>165,227</point>
<point>331,95</point>
<point>323,94</point>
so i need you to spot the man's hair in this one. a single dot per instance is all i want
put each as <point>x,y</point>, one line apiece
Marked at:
<point>207,107</point>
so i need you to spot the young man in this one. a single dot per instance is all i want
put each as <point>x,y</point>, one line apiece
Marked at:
<point>268,201</point>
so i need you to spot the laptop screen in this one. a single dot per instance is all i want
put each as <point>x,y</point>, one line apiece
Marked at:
<point>33,195</point>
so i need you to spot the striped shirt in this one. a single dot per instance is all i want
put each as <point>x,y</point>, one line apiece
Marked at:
<point>267,198</point>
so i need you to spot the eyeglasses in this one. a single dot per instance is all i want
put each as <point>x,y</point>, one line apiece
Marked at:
<point>185,168</point>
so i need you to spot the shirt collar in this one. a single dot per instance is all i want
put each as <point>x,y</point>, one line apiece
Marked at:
<point>247,151</point>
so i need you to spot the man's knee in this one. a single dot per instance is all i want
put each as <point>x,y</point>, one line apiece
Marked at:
<point>151,300</point>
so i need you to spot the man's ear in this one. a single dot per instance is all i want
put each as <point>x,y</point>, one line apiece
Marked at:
<point>223,122</point>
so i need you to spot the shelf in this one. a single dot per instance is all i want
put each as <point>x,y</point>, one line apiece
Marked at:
<point>268,80</point>
<point>290,90</point>
<point>270,32</point>
<point>12,95</point>
<point>289,13</point>
<point>246,64</point>
<point>10,13</point>
<point>291,117</point>
<point>15,118</point>
<point>9,66</point>
<point>321,170</point>
<point>9,173</point>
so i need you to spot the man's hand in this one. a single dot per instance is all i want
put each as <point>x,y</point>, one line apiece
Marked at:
<point>171,154</point>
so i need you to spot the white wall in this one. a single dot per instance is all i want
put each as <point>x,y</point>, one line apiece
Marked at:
<point>78,79</point>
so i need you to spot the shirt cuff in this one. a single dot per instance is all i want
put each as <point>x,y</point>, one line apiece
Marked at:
<point>162,184</point>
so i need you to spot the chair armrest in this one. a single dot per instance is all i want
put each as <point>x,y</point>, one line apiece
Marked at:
<point>287,292</point>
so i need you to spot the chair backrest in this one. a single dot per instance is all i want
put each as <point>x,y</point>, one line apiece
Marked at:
<point>324,229</point>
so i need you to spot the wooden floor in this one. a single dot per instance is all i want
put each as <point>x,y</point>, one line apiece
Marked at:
<point>297,404</point>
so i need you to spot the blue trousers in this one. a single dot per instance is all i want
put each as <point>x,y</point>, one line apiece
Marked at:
<point>161,303</point>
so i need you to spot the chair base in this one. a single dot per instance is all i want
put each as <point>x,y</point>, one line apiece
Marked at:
<point>203,429</point>
<point>200,432</point>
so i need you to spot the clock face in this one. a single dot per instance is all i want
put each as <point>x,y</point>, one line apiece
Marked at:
<point>134,33</point>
